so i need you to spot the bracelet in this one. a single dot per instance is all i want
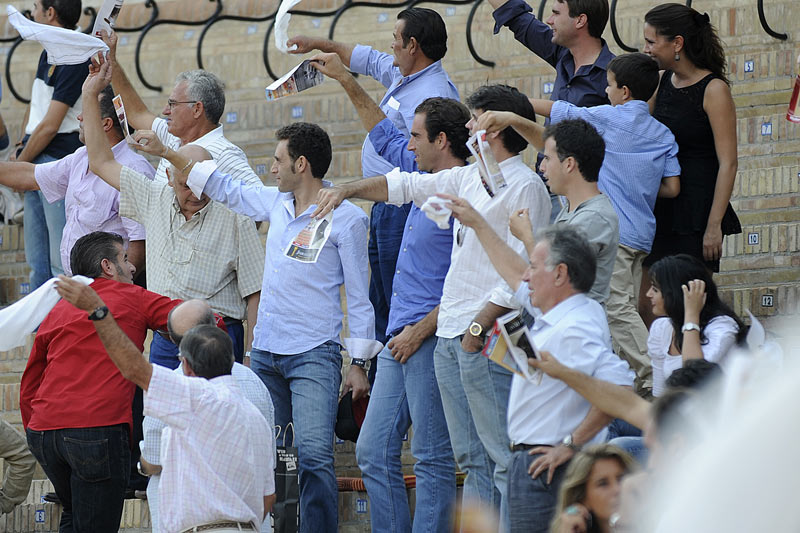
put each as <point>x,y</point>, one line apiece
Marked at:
<point>187,166</point>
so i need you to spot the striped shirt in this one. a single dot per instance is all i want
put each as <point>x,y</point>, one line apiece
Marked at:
<point>216,255</point>
<point>230,158</point>
<point>472,281</point>
<point>640,151</point>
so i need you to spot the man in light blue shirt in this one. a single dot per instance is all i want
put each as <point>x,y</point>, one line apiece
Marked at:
<point>413,73</point>
<point>296,346</point>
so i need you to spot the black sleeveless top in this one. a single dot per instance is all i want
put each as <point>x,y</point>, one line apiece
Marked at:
<point>681,110</point>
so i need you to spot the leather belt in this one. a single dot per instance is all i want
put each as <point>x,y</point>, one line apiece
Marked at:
<point>523,447</point>
<point>243,526</point>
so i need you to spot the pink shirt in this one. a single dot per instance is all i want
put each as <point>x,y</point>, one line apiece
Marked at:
<point>90,203</point>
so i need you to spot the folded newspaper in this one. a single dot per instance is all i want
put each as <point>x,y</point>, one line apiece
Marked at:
<point>106,17</point>
<point>510,345</point>
<point>307,245</point>
<point>300,78</point>
<point>491,175</point>
<point>119,107</point>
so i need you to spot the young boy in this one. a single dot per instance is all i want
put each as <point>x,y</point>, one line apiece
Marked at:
<point>640,163</point>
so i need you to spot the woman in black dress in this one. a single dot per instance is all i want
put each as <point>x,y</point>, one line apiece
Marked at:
<point>694,101</point>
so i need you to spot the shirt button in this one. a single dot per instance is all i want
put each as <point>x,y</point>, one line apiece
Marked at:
<point>398,270</point>
<point>411,227</point>
<point>405,249</point>
<point>395,294</point>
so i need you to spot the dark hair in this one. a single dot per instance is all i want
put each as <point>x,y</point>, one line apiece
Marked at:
<point>504,98</point>
<point>578,139</point>
<point>693,374</point>
<point>450,117</point>
<point>638,72</point>
<point>569,247</point>
<point>88,252</point>
<point>206,318</point>
<point>427,27</point>
<point>669,274</point>
<point>701,44</point>
<point>208,350</point>
<point>68,12</point>
<point>596,12</point>
<point>308,140</point>
<point>107,109</point>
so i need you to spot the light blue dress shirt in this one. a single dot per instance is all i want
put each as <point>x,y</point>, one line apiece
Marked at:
<point>403,95</point>
<point>640,151</point>
<point>300,304</point>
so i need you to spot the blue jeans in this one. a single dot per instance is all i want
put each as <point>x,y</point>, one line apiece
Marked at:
<point>305,390</point>
<point>43,227</point>
<point>406,395</point>
<point>386,226</point>
<point>634,446</point>
<point>89,471</point>
<point>475,399</point>
<point>165,353</point>
<point>531,502</point>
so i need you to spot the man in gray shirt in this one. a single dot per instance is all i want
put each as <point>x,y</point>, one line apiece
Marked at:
<point>573,154</point>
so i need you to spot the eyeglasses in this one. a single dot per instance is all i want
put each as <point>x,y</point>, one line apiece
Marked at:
<point>172,103</point>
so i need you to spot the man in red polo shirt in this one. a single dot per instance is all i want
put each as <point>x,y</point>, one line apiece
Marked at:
<point>76,406</point>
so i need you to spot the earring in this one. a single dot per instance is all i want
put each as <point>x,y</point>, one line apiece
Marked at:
<point>677,56</point>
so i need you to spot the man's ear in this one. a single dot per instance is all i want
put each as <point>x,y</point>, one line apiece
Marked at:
<point>108,125</point>
<point>300,164</point>
<point>187,368</point>
<point>441,140</point>
<point>199,110</point>
<point>581,21</point>
<point>413,46</point>
<point>626,92</point>
<point>562,274</point>
<point>571,164</point>
<point>108,268</point>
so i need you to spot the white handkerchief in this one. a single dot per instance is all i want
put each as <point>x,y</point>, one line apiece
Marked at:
<point>24,316</point>
<point>282,25</point>
<point>64,47</point>
<point>434,208</point>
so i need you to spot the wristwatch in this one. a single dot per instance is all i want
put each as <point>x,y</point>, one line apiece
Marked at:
<point>570,444</point>
<point>689,326</point>
<point>363,364</point>
<point>475,329</point>
<point>99,314</point>
<point>141,471</point>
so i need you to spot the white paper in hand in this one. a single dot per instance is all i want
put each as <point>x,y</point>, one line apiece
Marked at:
<point>63,46</point>
<point>17,321</point>
<point>282,25</point>
<point>435,209</point>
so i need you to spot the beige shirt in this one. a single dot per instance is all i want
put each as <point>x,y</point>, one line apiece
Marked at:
<point>216,255</point>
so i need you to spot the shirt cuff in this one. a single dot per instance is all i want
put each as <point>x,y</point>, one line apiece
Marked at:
<point>359,58</point>
<point>379,135</point>
<point>362,348</point>
<point>199,175</point>
<point>504,298</point>
<point>559,111</point>
<point>394,186</point>
<point>511,9</point>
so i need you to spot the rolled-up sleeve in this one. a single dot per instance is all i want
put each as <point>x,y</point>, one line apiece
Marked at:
<point>53,178</point>
<point>392,145</point>
<point>404,187</point>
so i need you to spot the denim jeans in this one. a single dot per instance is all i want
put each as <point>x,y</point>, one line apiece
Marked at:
<point>43,227</point>
<point>386,226</point>
<point>475,399</point>
<point>165,353</point>
<point>531,502</point>
<point>406,395</point>
<point>634,446</point>
<point>305,390</point>
<point>89,471</point>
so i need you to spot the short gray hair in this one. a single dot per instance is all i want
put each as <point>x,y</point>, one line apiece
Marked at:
<point>208,350</point>
<point>569,247</point>
<point>207,88</point>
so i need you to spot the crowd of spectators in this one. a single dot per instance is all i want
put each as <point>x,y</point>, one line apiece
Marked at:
<point>605,249</point>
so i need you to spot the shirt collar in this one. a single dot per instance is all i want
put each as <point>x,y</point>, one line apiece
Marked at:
<point>513,160</point>
<point>603,58</point>
<point>434,67</point>
<point>202,212</point>
<point>562,309</point>
<point>288,199</point>
<point>637,105</point>
<point>118,148</point>
<point>209,137</point>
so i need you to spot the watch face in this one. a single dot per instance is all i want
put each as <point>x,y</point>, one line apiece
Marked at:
<point>475,330</point>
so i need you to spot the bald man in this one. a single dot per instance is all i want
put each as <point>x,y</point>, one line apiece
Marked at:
<point>181,319</point>
<point>196,248</point>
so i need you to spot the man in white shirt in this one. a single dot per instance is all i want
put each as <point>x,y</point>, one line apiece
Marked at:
<point>474,390</point>
<point>549,421</point>
<point>218,449</point>
<point>182,319</point>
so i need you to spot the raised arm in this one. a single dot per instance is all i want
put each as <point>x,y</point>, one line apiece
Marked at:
<point>541,106</point>
<point>137,113</point>
<point>120,348</point>
<point>614,400</point>
<point>309,44</point>
<point>499,120</point>
<point>329,198</point>
<point>331,65</point>
<point>505,260</point>
<point>101,159</point>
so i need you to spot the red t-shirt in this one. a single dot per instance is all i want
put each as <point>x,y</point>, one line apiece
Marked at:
<point>70,381</point>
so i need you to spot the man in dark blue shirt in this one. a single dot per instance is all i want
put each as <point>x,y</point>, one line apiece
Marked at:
<point>571,42</point>
<point>405,390</point>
